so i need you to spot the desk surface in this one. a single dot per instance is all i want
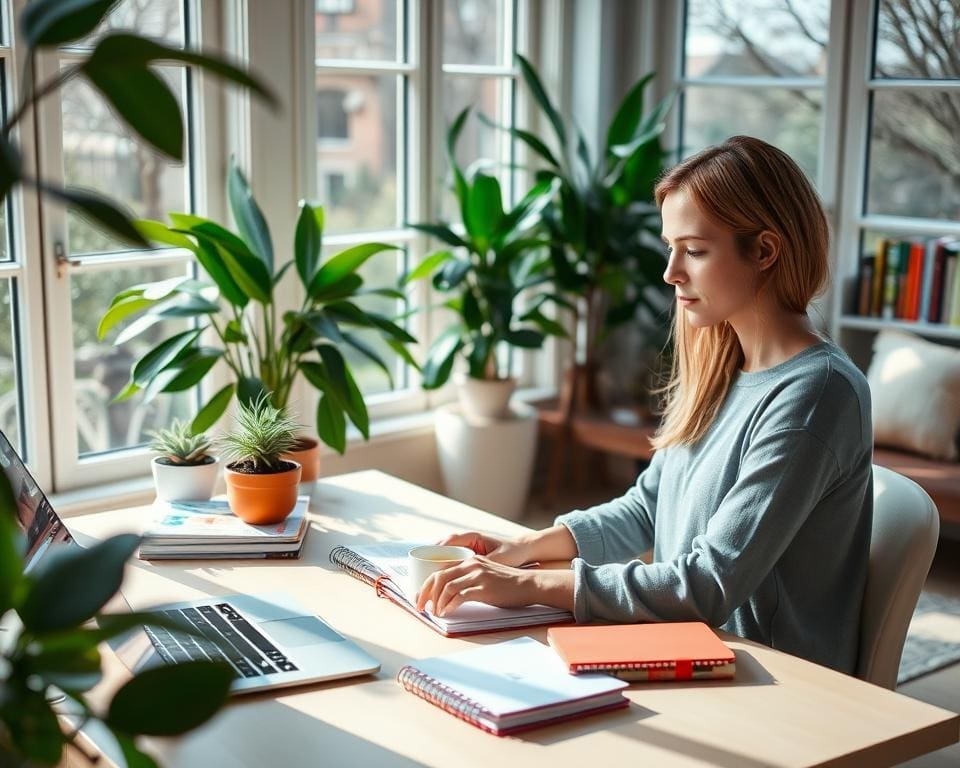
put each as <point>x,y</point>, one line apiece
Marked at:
<point>780,710</point>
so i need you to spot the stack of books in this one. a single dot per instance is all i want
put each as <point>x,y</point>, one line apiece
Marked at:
<point>209,529</point>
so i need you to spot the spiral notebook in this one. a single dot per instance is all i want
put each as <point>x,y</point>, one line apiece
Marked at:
<point>509,687</point>
<point>670,651</point>
<point>384,567</point>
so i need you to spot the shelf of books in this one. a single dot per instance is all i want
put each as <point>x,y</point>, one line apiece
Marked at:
<point>911,282</point>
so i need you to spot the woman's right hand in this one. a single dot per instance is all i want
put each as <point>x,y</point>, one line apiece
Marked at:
<point>507,551</point>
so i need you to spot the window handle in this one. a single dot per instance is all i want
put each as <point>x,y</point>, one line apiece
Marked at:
<point>63,261</point>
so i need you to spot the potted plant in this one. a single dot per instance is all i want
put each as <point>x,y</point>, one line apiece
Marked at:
<point>603,225</point>
<point>261,483</point>
<point>183,470</point>
<point>496,261</point>
<point>497,275</point>
<point>263,350</point>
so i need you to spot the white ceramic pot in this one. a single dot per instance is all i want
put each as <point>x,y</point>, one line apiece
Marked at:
<point>485,398</point>
<point>184,483</point>
<point>487,463</point>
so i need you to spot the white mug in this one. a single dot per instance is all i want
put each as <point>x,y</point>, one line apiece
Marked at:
<point>422,561</point>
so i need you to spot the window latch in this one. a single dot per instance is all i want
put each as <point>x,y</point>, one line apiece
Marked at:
<point>63,261</point>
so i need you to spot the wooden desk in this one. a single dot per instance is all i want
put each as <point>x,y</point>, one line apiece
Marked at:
<point>780,711</point>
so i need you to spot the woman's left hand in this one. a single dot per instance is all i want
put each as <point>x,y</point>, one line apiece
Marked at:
<point>486,581</point>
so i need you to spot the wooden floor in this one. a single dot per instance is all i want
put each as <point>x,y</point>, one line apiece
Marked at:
<point>941,688</point>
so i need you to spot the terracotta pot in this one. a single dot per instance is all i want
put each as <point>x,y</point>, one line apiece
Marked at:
<point>262,499</point>
<point>308,457</point>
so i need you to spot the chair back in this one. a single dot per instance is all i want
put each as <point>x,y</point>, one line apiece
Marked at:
<point>904,539</point>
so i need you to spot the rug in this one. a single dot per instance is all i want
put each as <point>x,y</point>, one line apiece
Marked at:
<point>933,640</point>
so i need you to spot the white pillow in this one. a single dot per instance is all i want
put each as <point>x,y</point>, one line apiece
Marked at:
<point>915,388</point>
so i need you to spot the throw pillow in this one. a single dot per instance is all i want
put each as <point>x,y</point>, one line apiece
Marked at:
<point>915,388</point>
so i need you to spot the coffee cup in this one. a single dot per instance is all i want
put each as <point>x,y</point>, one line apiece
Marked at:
<point>422,561</point>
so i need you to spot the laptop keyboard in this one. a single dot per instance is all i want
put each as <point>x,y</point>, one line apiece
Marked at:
<point>225,636</point>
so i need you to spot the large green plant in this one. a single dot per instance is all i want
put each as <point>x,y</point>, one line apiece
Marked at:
<point>121,68</point>
<point>498,258</point>
<point>50,645</point>
<point>263,351</point>
<point>603,224</point>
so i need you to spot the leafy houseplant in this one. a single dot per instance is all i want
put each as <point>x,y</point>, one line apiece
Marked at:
<point>496,260</point>
<point>52,646</point>
<point>261,484</point>
<point>184,469</point>
<point>603,225</point>
<point>264,352</point>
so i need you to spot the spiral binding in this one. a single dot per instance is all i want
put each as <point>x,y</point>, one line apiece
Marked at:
<point>432,690</point>
<point>356,566</point>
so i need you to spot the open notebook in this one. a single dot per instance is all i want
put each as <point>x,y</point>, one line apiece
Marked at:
<point>384,566</point>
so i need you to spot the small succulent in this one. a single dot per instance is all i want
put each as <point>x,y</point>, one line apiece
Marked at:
<point>179,445</point>
<point>261,435</point>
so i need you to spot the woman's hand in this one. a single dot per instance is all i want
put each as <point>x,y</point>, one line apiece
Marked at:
<point>506,551</point>
<point>487,581</point>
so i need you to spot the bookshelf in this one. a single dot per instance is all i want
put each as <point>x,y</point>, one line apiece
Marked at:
<point>863,216</point>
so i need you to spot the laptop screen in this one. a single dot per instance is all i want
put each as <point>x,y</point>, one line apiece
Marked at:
<point>35,517</point>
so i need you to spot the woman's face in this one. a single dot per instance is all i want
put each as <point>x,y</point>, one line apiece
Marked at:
<point>713,280</point>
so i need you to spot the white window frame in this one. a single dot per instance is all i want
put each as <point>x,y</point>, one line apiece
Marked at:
<point>64,468</point>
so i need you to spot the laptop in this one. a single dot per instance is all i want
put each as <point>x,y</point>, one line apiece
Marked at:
<point>270,640</point>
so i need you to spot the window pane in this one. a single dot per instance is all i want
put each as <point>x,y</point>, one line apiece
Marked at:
<point>357,150</point>
<point>160,19</point>
<point>5,254</point>
<point>9,377</point>
<point>479,144</point>
<point>473,32</point>
<point>756,38</point>
<point>357,29</point>
<point>102,368</point>
<point>786,118</point>
<point>914,154</point>
<point>100,154</point>
<point>918,39</point>
<point>381,271</point>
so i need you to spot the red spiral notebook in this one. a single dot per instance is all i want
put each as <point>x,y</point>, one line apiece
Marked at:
<point>669,651</point>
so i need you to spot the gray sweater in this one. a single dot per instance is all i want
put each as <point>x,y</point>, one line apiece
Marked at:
<point>761,528</point>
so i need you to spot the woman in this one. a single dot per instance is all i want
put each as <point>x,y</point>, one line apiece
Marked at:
<point>758,501</point>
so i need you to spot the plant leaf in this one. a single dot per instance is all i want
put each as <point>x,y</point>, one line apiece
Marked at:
<point>345,388</point>
<point>525,337</point>
<point>249,389</point>
<point>426,267</point>
<point>11,564</point>
<point>484,209</point>
<point>344,288</point>
<point>250,273</point>
<point>72,584</point>
<point>526,137</point>
<point>170,700</point>
<point>132,754</point>
<point>11,166</point>
<point>213,410</point>
<point>141,99</point>
<point>439,362</point>
<point>119,311</point>
<point>53,22</point>
<point>535,85</point>
<point>627,118</point>
<point>193,370</point>
<point>100,211</point>
<point>308,241</point>
<point>442,232</point>
<point>162,355</point>
<point>253,227</point>
<point>366,350</point>
<point>345,263</point>
<point>158,232</point>
<point>33,727</point>
<point>208,254</point>
<point>331,424</point>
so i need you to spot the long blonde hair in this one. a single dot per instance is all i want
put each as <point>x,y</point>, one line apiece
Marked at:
<point>749,186</point>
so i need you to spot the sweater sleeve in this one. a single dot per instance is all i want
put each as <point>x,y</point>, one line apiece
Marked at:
<point>783,476</point>
<point>622,528</point>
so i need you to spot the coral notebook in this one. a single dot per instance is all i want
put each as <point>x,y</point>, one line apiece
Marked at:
<point>669,651</point>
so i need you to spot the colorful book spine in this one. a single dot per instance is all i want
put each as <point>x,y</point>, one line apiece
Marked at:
<point>949,277</point>
<point>926,284</point>
<point>914,279</point>
<point>662,672</point>
<point>865,286</point>
<point>936,286</point>
<point>879,273</point>
<point>891,285</point>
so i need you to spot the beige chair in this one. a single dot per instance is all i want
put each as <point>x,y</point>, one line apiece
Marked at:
<point>905,531</point>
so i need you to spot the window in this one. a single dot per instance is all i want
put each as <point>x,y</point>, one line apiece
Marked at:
<point>379,159</point>
<point>755,67</point>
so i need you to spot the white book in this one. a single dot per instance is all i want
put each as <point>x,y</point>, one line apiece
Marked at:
<point>182,523</point>
<point>510,686</point>
<point>384,565</point>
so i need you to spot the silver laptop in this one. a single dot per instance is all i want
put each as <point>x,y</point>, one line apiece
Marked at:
<point>270,640</point>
